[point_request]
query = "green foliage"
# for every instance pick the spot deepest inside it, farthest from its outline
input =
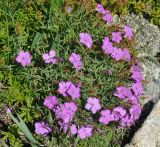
(12, 135)
(39, 26)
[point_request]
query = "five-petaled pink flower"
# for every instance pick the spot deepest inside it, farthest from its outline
(84, 132)
(107, 17)
(107, 46)
(93, 104)
(50, 102)
(128, 32)
(23, 58)
(118, 113)
(73, 129)
(86, 39)
(117, 54)
(75, 59)
(106, 117)
(41, 128)
(63, 87)
(126, 55)
(100, 8)
(116, 36)
(50, 57)
(122, 92)
(69, 89)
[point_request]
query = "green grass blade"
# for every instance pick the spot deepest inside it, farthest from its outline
(22, 126)
(36, 39)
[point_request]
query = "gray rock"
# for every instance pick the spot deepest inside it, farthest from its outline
(147, 35)
(149, 134)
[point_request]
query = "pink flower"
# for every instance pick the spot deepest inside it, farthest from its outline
(23, 58)
(137, 88)
(136, 73)
(69, 89)
(128, 32)
(107, 46)
(50, 57)
(42, 128)
(65, 112)
(9, 110)
(135, 111)
(69, 9)
(122, 92)
(116, 36)
(84, 132)
(118, 113)
(133, 100)
(63, 87)
(93, 104)
(63, 126)
(75, 59)
(106, 117)
(100, 8)
(86, 39)
(117, 54)
(107, 17)
(74, 91)
(50, 102)
(73, 130)
(126, 121)
(126, 55)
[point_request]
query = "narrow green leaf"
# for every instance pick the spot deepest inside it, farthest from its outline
(22, 126)
(36, 39)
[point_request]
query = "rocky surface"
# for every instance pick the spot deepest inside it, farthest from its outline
(149, 134)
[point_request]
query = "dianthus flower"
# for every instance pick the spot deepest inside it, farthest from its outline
(86, 39)
(42, 128)
(126, 55)
(65, 112)
(50, 102)
(133, 100)
(84, 132)
(23, 58)
(128, 32)
(137, 88)
(75, 59)
(69, 9)
(106, 117)
(135, 111)
(74, 91)
(100, 8)
(107, 46)
(118, 113)
(93, 104)
(116, 36)
(73, 130)
(107, 17)
(63, 87)
(63, 126)
(117, 54)
(50, 57)
(122, 92)
(69, 89)
(136, 73)
(126, 121)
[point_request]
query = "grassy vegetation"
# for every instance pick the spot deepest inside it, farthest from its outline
(42, 25)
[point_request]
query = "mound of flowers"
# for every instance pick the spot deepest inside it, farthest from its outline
(65, 112)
